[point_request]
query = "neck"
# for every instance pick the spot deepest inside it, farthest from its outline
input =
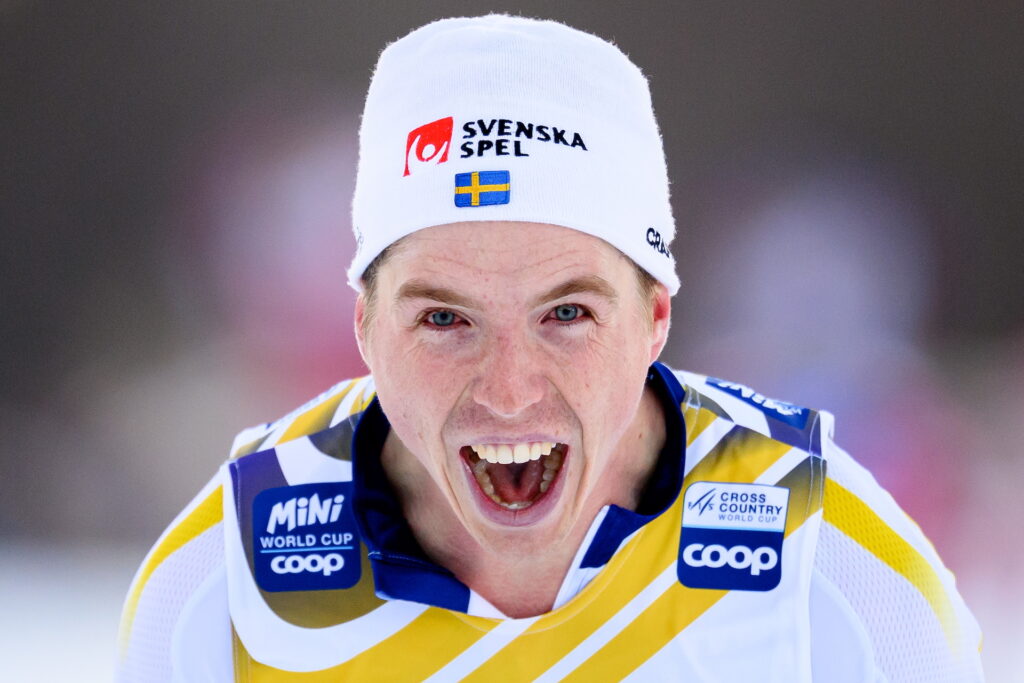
(517, 577)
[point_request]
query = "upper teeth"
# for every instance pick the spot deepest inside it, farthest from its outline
(506, 454)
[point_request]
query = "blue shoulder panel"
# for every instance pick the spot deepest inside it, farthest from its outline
(788, 423)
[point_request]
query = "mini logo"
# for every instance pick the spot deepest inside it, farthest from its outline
(482, 188)
(303, 511)
(780, 410)
(428, 144)
(732, 536)
(657, 243)
(305, 538)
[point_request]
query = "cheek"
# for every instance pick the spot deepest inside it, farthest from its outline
(431, 376)
(602, 353)
(417, 387)
(605, 378)
(402, 358)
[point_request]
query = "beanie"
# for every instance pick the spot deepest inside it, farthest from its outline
(501, 118)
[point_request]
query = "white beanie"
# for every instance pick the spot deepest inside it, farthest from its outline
(502, 118)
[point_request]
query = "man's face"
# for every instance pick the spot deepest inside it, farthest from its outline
(510, 360)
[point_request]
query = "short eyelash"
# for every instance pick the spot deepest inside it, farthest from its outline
(425, 320)
(585, 314)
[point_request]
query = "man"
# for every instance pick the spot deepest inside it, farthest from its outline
(520, 491)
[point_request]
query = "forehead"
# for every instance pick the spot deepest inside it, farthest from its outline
(502, 252)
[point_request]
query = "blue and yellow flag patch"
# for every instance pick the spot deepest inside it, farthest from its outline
(482, 188)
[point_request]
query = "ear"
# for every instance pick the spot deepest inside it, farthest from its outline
(661, 319)
(360, 325)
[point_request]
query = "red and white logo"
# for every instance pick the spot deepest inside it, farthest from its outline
(428, 144)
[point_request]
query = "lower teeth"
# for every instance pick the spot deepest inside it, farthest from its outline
(552, 463)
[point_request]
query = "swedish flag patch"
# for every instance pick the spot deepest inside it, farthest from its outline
(482, 188)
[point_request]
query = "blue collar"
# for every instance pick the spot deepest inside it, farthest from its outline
(402, 570)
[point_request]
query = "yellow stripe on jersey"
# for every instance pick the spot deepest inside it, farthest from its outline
(537, 649)
(311, 421)
(679, 606)
(554, 635)
(251, 447)
(203, 516)
(741, 456)
(362, 402)
(696, 420)
(316, 418)
(852, 516)
(412, 654)
(806, 482)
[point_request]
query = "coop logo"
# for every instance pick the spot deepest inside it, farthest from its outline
(305, 538)
(318, 564)
(428, 144)
(737, 557)
(732, 535)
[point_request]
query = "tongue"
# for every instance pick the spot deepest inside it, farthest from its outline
(516, 483)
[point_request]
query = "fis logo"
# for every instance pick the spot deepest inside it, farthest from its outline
(305, 538)
(702, 504)
(732, 536)
(428, 144)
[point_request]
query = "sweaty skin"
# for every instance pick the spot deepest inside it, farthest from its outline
(502, 334)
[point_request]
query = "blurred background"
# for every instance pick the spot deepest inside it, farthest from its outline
(176, 179)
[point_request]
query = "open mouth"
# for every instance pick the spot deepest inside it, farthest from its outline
(515, 476)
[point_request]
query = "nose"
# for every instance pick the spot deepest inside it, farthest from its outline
(510, 379)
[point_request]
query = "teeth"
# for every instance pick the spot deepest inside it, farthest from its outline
(506, 454)
(553, 461)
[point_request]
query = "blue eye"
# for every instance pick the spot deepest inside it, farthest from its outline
(441, 318)
(566, 313)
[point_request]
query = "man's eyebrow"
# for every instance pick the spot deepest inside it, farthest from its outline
(588, 284)
(418, 289)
